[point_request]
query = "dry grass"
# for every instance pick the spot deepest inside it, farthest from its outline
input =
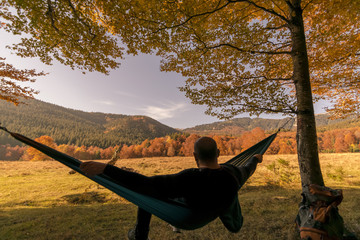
(40, 200)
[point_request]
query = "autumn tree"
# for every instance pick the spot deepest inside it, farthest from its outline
(286, 146)
(327, 141)
(10, 77)
(107, 153)
(127, 151)
(271, 56)
(220, 144)
(157, 147)
(11, 153)
(252, 137)
(187, 148)
(349, 138)
(62, 30)
(252, 56)
(3, 152)
(67, 149)
(357, 134)
(340, 144)
(234, 146)
(12, 81)
(172, 147)
(31, 154)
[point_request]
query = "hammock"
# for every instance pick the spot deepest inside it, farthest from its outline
(171, 211)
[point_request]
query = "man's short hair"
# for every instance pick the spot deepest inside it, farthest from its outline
(206, 149)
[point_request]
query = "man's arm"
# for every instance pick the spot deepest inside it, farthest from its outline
(157, 186)
(244, 172)
(249, 168)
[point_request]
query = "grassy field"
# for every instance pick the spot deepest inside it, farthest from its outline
(40, 200)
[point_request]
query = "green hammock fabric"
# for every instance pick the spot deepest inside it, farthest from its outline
(171, 211)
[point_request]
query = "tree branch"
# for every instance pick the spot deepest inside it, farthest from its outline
(50, 13)
(282, 44)
(248, 51)
(277, 28)
(80, 19)
(193, 16)
(288, 111)
(278, 7)
(271, 11)
(289, 4)
(307, 4)
(266, 78)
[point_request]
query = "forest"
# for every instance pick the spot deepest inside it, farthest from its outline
(330, 141)
(74, 127)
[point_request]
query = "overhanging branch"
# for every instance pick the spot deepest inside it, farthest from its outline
(81, 20)
(194, 16)
(271, 11)
(266, 78)
(307, 4)
(247, 105)
(50, 13)
(248, 51)
(278, 27)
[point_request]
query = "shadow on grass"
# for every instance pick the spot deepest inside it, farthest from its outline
(269, 213)
(95, 221)
(85, 198)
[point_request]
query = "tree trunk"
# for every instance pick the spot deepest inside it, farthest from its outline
(306, 137)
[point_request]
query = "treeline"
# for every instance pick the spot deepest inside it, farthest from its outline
(237, 126)
(334, 141)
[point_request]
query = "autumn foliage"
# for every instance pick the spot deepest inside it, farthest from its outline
(332, 141)
(32, 154)
(12, 88)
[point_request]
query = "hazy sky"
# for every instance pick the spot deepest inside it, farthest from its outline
(136, 88)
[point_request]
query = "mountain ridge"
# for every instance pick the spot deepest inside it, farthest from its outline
(69, 126)
(238, 126)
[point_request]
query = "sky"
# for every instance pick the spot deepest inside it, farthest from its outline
(138, 87)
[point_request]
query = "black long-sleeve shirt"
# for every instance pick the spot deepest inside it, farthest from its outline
(199, 188)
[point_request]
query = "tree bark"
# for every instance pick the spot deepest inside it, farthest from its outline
(306, 137)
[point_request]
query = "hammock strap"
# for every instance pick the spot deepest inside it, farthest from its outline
(259, 148)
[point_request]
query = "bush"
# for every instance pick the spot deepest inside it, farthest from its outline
(283, 173)
(336, 174)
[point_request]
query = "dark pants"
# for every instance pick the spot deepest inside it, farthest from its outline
(231, 218)
(142, 224)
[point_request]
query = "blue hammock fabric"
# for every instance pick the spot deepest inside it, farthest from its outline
(171, 211)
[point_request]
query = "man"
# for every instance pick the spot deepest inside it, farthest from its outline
(210, 187)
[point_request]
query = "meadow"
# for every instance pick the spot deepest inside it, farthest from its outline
(41, 200)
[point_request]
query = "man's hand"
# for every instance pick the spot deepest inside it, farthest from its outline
(259, 157)
(92, 168)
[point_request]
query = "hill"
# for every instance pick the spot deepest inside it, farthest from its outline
(68, 126)
(324, 123)
(238, 126)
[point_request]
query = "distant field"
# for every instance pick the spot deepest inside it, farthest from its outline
(40, 200)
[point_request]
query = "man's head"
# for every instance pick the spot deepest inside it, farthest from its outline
(206, 151)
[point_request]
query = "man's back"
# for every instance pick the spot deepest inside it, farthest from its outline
(199, 188)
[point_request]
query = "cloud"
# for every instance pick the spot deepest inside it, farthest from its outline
(125, 94)
(168, 111)
(105, 102)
